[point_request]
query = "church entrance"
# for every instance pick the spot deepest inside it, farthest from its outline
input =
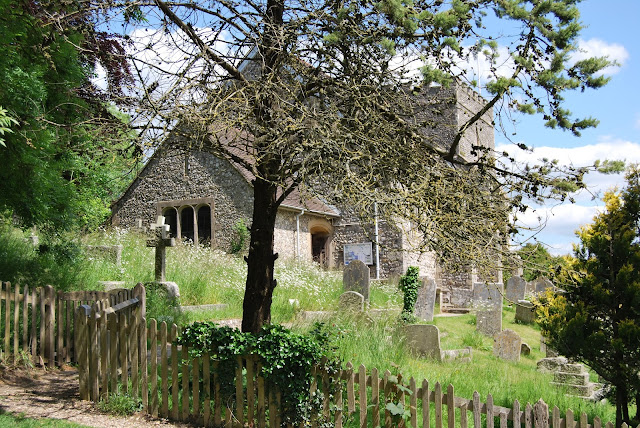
(321, 232)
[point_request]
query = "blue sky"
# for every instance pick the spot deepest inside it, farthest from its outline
(612, 30)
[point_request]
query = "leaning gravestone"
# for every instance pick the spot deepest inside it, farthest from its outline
(525, 312)
(507, 345)
(424, 340)
(515, 289)
(489, 321)
(351, 301)
(542, 284)
(426, 300)
(355, 277)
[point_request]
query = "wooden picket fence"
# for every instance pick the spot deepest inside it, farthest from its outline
(121, 353)
(38, 324)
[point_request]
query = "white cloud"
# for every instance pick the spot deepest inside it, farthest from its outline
(555, 225)
(598, 48)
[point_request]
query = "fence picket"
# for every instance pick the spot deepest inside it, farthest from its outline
(597, 422)
(94, 356)
(451, 408)
(351, 400)
(123, 342)
(81, 346)
(337, 379)
(164, 370)
(206, 386)
(375, 396)
(34, 338)
(477, 410)
(217, 411)
(386, 387)
(185, 383)
(541, 414)
(144, 379)
(362, 396)
(426, 404)
(438, 404)
(50, 316)
(413, 403)
(16, 321)
(261, 403)
(25, 320)
(569, 421)
(153, 366)
(196, 389)
(60, 334)
(175, 386)
(463, 415)
(503, 420)
(490, 414)
(239, 392)
(251, 398)
(528, 416)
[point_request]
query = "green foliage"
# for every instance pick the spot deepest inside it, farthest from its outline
(597, 321)
(241, 237)
(286, 357)
(12, 420)
(538, 262)
(409, 285)
(66, 153)
(120, 404)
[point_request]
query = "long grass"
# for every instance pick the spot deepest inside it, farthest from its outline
(206, 277)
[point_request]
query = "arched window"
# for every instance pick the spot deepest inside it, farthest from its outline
(186, 224)
(171, 218)
(204, 225)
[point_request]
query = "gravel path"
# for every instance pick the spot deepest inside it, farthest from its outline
(54, 394)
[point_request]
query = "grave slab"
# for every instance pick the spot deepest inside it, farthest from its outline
(355, 277)
(507, 345)
(426, 300)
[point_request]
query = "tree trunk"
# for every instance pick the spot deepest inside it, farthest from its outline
(622, 405)
(261, 258)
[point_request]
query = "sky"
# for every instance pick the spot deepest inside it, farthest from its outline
(611, 30)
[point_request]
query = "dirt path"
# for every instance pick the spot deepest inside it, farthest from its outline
(54, 394)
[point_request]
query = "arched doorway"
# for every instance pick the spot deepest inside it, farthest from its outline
(321, 232)
(171, 218)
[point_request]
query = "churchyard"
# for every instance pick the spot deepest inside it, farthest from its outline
(372, 337)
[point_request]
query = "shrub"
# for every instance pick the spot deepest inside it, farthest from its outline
(409, 284)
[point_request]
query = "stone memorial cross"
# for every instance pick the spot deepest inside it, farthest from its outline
(161, 242)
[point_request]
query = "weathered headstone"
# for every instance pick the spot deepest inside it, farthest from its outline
(424, 340)
(525, 349)
(161, 242)
(525, 312)
(351, 301)
(507, 345)
(489, 322)
(112, 253)
(111, 285)
(487, 295)
(542, 284)
(355, 277)
(426, 300)
(515, 289)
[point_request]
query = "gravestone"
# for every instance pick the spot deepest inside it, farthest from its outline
(424, 340)
(525, 312)
(355, 277)
(542, 284)
(487, 295)
(111, 285)
(507, 345)
(351, 301)
(525, 349)
(161, 242)
(426, 300)
(515, 289)
(489, 321)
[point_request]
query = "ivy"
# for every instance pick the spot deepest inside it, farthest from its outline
(287, 359)
(409, 284)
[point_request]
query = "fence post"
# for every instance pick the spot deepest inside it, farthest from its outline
(541, 414)
(49, 294)
(81, 345)
(140, 292)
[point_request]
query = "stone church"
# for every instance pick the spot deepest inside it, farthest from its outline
(204, 197)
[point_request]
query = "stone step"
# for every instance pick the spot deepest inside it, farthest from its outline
(572, 368)
(578, 390)
(571, 378)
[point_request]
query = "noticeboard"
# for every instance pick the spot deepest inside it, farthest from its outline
(362, 251)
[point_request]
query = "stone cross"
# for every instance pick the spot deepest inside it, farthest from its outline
(161, 242)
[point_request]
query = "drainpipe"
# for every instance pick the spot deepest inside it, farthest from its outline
(298, 234)
(375, 222)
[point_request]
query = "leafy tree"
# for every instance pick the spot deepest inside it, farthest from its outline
(327, 97)
(538, 262)
(597, 321)
(64, 150)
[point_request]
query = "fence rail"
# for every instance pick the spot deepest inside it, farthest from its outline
(127, 355)
(39, 323)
